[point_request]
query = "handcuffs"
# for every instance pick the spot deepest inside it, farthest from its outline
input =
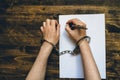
(76, 50)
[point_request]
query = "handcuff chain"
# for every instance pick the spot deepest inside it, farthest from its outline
(67, 51)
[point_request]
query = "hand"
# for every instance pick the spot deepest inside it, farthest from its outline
(76, 34)
(51, 31)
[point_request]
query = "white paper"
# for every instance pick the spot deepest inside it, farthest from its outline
(71, 66)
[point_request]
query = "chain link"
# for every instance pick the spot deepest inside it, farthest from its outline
(67, 51)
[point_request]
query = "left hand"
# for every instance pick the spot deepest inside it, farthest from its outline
(51, 30)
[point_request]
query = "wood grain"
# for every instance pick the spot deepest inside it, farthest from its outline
(20, 38)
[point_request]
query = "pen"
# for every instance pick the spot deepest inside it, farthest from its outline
(79, 27)
(73, 26)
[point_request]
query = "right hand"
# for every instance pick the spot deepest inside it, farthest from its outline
(76, 34)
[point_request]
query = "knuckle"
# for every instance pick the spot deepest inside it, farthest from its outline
(76, 19)
(53, 20)
(47, 19)
(84, 25)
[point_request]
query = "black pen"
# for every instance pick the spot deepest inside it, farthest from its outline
(73, 26)
(79, 27)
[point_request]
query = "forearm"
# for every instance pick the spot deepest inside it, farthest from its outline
(38, 69)
(90, 69)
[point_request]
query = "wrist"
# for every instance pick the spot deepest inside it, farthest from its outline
(46, 44)
(84, 38)
(51, 44)
(83, 43)
(45, 50)
(51, 41)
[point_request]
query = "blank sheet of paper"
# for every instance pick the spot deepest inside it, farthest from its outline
(71, 66)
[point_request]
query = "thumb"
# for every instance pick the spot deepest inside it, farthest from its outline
(41, 28)
(68, 29)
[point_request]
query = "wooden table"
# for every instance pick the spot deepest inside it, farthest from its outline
(20, 37)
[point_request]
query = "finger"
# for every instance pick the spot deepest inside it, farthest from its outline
(44, 24)
(74, 21)
(71, 20)
(41, 28)
(53, 23)
(47, 22)
(58, 29)
(68, 29)
(56, 22)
